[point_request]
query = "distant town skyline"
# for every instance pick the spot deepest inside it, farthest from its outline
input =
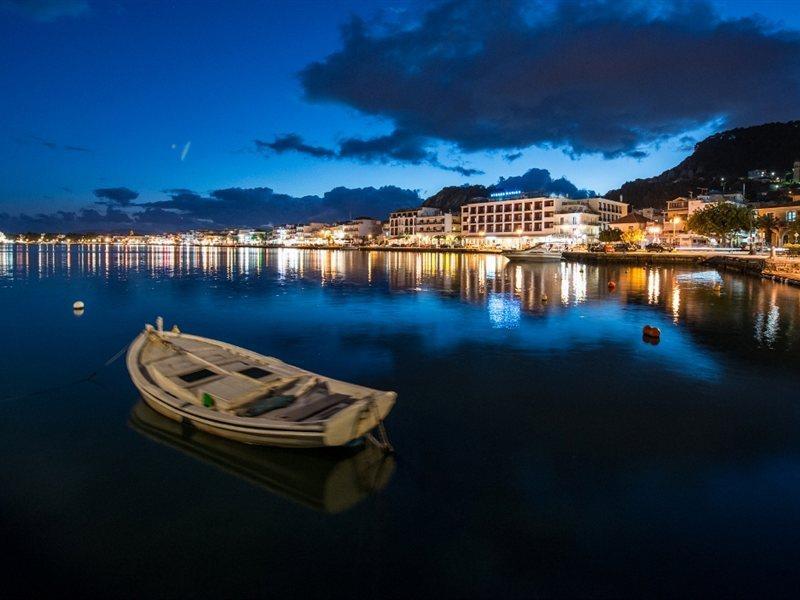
(190, 110)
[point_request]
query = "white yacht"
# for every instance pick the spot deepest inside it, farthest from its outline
(538, 253)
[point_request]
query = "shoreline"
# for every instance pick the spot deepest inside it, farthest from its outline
(774, 269)
(780, 270)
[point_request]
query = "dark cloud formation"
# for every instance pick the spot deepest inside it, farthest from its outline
(512, 156)
(597, 76)
(88, 219)
(119, 196)
(50, 144)
(394, 148)
(293, 142)
(539, 180)
(184, 209)
(258, 207)
(46, 10)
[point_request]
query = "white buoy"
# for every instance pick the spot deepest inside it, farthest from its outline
(544, 297)
(78, 305)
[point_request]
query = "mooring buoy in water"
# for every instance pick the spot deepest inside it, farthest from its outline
(612, 286)
(651, 332)
(544, 297)
(78, 305)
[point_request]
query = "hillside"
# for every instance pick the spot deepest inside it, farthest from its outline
(451, 198)
(729, 154)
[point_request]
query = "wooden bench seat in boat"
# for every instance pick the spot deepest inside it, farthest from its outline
(301, 412)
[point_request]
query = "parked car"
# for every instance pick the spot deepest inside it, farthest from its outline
(623, 247)
(658, 247)
(597, 247)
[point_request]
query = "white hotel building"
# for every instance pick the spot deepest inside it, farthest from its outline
(423, 225)
(520, 221)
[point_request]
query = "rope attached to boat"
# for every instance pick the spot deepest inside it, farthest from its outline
(68, 384)
(382, 441)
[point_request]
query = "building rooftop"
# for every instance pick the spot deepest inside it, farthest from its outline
(633, 218)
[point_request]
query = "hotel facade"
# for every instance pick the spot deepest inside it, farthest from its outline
(423, 225)
(522, 221)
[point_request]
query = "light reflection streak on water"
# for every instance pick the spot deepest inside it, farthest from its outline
(653, 286)
(676, 303)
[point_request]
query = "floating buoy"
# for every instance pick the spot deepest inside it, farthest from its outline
(544, 297)
(612, 285)
(175, 329)
(78, 305)
(651, 332)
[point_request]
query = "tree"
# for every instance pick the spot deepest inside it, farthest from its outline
(721, 220)
(610, 235)
(633, 236)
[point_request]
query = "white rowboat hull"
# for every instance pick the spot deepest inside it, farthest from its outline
(350, 423)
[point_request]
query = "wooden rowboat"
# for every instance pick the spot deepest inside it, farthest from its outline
(241, 395)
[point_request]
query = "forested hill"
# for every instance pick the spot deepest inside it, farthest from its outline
(729, 154)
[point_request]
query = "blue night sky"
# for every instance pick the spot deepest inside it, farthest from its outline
(171, 106)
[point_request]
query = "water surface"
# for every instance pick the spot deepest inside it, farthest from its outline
(543, 448)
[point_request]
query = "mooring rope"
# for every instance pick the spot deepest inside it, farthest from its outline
(68, 384)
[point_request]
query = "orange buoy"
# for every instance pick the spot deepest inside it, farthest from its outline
(651, 332)
(612, 285)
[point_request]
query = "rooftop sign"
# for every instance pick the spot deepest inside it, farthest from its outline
(505, 194)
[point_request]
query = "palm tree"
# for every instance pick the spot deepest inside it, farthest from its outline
(773, 228)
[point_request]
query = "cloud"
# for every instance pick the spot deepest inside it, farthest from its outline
(686, 143)
(119, 196)
(87, 219)
(50, 144)
(183, 209)
(261, 206)
(293, 142)
(397, 147)
(47, 10)
(597, 76)
(539, 180)
(512, 156)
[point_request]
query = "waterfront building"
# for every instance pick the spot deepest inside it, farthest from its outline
(608, 210)
(3, 239)
(681, 208)
(577, 222)
(423, 226)
(245, 236)
(637, 222)
(521, 221)
(360, 229)
(796, 172)
(402, 222)
(309, 233)
(786, 214)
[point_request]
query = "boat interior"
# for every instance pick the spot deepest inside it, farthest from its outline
(228, 382)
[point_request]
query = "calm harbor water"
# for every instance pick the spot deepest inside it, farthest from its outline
(543, 448)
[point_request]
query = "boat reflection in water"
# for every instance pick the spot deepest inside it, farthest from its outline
(331, 481)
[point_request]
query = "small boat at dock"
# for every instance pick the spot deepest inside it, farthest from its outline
(538, 253)
(238, 394)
